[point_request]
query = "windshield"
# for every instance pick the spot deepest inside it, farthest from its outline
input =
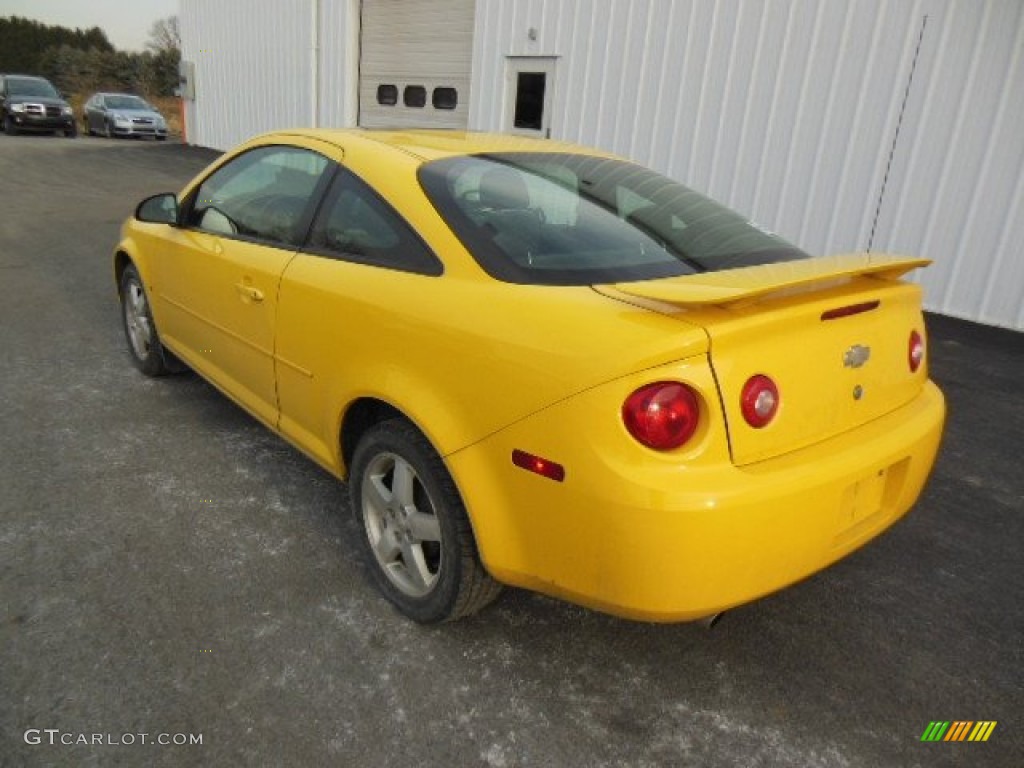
(564, 219)
(125, 102)
(27, 87)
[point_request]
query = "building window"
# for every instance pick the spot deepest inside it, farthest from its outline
(414, 96)
(387, 95)
(445, 98)
(530, 100)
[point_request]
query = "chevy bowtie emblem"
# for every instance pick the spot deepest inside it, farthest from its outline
(856, 356)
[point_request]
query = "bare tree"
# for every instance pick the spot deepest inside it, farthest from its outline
(164, 35)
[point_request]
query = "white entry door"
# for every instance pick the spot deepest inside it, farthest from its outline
(529, 94)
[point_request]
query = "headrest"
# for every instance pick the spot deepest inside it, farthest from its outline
(503, 189)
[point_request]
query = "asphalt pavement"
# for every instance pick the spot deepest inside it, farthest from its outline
(168, 567)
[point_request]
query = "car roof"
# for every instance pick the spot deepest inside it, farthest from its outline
(435, 144)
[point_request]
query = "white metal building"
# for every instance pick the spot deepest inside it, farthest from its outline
(889, 125)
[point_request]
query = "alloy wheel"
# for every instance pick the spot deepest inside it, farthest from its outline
(136, 319)
(401, 524)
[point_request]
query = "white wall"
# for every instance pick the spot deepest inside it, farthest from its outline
(787, 110)
(956, 191)
(339, 62)
(254, 63)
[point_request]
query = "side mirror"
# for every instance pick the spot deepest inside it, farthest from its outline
(158, 209)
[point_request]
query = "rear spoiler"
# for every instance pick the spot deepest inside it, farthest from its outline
(735, 285)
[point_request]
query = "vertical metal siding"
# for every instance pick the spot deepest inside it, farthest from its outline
(956, 188)
(787, 110)
(339, 62)
(254, 68)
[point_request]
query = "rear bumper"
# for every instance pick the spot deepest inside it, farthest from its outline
(669, 541)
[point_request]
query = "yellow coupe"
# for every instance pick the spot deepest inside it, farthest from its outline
(541, 365)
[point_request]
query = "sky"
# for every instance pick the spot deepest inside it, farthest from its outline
(126, 22)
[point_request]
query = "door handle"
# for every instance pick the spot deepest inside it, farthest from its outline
(248, 293)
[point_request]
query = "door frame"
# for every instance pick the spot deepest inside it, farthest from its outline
(514, 65)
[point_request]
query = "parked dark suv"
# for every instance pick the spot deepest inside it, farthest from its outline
(32, 104)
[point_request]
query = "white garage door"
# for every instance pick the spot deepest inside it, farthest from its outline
(414, 66)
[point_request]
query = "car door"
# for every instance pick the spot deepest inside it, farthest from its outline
(339, 309)
(217, 283)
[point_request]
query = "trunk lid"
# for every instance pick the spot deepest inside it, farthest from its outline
(834, 371)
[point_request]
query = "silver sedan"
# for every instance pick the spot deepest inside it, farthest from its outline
(122, 114)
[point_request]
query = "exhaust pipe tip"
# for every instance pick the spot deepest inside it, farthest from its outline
(709, 621)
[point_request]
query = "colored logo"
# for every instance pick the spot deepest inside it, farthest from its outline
(958, 730)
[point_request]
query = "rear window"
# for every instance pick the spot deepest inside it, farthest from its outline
(563, 219)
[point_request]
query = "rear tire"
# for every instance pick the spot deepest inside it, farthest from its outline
(417, 540)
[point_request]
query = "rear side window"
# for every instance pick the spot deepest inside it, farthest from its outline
(355, 224)
(566, 219)
(262, 194)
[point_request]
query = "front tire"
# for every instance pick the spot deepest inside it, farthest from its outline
(139, 329)
(417, 540)
(9, 127)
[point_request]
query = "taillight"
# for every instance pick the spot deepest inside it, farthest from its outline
(915, 352)
(759, 400)
(663, 415)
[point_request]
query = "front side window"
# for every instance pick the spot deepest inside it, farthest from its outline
(262, 194)
(564, 219)
(355, 224)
